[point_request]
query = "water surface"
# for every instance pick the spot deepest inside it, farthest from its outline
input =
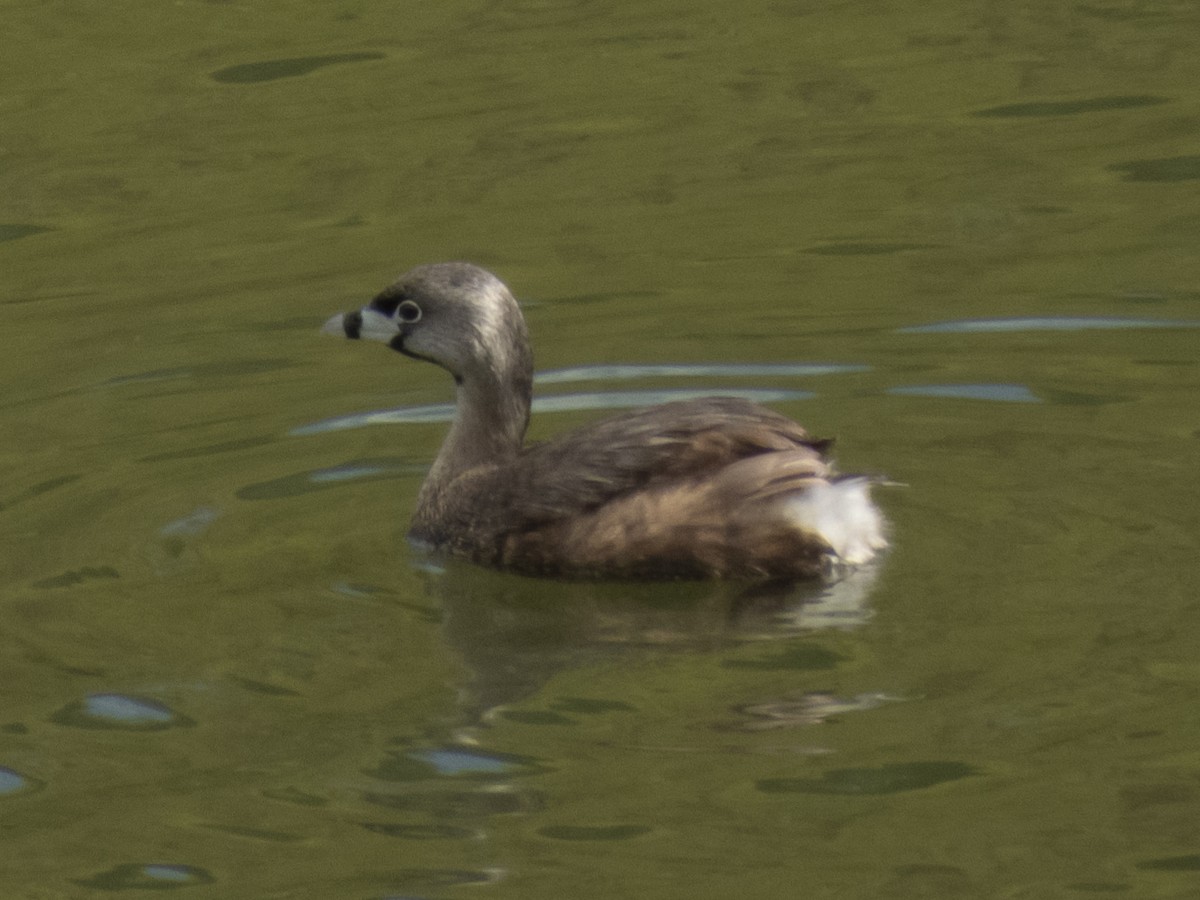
(962, 240)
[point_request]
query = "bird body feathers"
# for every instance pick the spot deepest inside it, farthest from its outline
(711, 488)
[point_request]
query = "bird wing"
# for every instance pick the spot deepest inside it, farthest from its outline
(677, 442)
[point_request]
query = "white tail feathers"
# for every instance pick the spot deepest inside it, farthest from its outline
(842, 513)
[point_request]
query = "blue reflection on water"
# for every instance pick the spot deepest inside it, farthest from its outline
(633, 399)
(439, 412)
(193, 523)
(346, 473)
(126, 709)
(10, 781)
(148, 876)
(1005, 393)
(444, 412)
(1045, 323)
(161, 872)
(701, 370)
(461, 762)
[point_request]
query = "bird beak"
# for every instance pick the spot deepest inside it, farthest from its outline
(362, 323)
(337, 325)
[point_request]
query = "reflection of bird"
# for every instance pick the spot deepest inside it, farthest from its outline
(717, 487)
(811, 708)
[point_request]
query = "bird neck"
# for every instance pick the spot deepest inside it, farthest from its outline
(491, 415)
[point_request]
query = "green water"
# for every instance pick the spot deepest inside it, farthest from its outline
(223, 673)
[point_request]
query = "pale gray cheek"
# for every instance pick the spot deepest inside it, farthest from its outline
(447, 354)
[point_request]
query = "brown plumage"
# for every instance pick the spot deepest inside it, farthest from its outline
(718, 487)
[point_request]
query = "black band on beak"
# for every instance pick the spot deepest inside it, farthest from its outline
(352, 324)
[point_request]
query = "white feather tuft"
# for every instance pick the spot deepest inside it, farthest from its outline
(842, 513)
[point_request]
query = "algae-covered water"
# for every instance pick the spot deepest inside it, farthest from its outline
(960, 237)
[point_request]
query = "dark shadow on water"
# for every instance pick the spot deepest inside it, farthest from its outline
(13, 231)
(1071, 107)
(1169, 169)
(147, 877)
(274, 69)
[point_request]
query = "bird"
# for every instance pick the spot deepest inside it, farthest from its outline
(710, 488)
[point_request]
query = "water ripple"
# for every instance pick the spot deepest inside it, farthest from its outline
(194, 523)
(273, 69)
(147, 876)
(119, 711)
(12, 781)
(889, 778)
(444, 412)
(13, 231)
(1045, 323)
(457, 761)
(1005, 393)
(1071, 107)
(633, 399)
(701, 370)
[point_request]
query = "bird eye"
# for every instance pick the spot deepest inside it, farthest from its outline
(408, 312)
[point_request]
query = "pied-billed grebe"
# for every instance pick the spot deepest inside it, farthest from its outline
(712, 488)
